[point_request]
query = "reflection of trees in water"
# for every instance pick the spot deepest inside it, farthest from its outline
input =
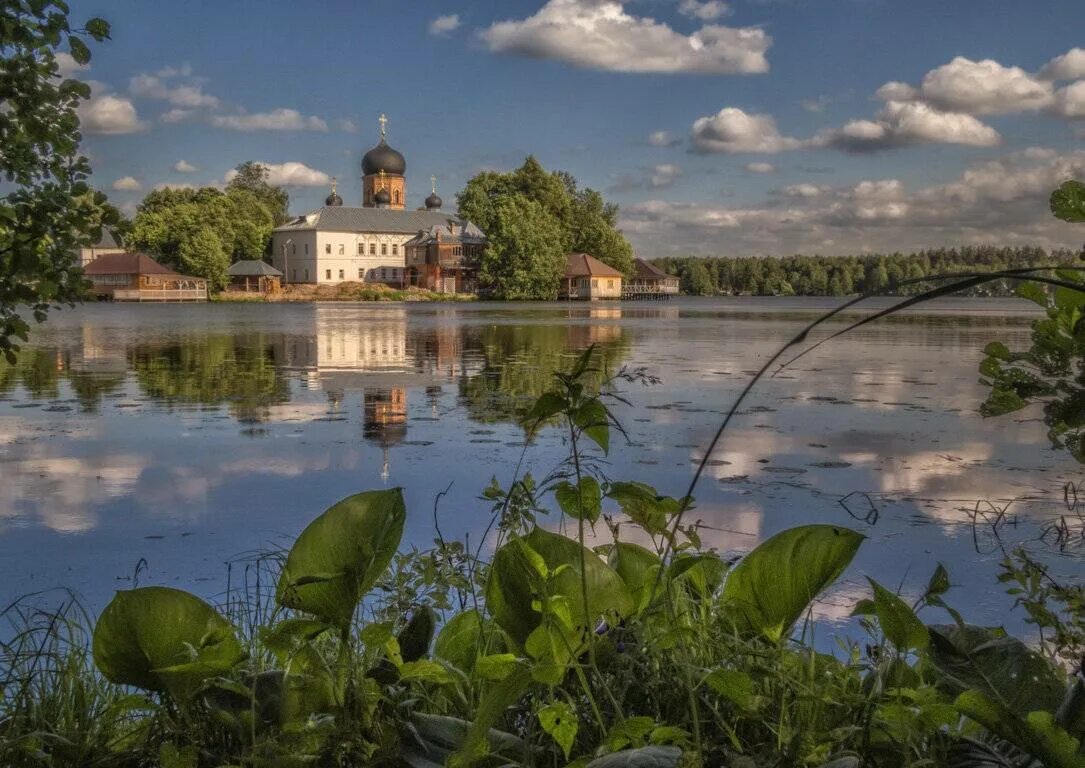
(213, 370)
(520, 361)
(40, 372)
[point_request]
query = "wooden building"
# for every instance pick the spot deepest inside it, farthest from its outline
(109, 242)
(254, 276)
(440, 258)
(648, 279)
(588, 278)
(131, 276)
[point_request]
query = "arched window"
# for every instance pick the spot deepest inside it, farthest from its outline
(395, 197)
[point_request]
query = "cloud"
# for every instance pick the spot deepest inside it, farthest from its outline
(663, 139)
(1068, 66)
(346, 125)
(983, 88)
(1070, 101)
(805, 190)
(171, 185)
(127, 184)
(816, 106)
(67, 65)
(187, 96)
(444, 25)
(277, 120)
(732, 130)
(665, 175)
(760, 168)
(705, 10)
(1002, 200)
(901, 124)
(599, 34)
(107, 113)
(183, 166)
(176, 115)
(291, 174)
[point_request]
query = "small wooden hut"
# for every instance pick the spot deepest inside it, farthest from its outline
(253, 275)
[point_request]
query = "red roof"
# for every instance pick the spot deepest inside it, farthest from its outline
(583, 265)
(126, 264)
(646, 270)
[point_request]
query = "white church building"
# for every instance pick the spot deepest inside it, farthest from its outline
(338, 243)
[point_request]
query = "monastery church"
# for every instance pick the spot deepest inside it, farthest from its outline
(379, 241)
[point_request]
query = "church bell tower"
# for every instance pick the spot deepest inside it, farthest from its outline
(383, 169)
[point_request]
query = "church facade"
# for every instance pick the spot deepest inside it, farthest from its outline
(365, 243)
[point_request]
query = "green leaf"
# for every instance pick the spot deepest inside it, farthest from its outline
(643, 505)
(549, 404)
(593, 419)
(939, 582)
(1002, 400)
(416, 637)
(496, 666)
(644, 757)
(773, 585)
(340, 555)
(735, 686)
(172, 756)
(1068, 202)
(1034, 292)
(582, 500)
(163, 639)
(457, 642)
(79, 50)
(898, 621)
(424, 670)
(283, 637)
(1001, 667)
(514, 592)
(98, 29)
(1037, 734)
(638, 568)
(560, 722)
(497, 699)
(998, 350)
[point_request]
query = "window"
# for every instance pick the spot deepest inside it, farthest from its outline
(395, 249)
(384, 249)
(372, 249)
(361, 249)
(384, 273)
(341, 249)
(395, 197)
(327, 273)
(361, 273)
(594, 283)
(306, 274)
(327, 247)
(293, 248)
(610, 283)
(306, 249)
(340, 274)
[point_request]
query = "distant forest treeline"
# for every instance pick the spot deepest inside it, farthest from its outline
(801, 275)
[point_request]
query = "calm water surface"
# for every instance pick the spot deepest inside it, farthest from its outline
(186, 436)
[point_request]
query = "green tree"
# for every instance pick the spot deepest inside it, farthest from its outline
(584, 221)
(51, 212)
(523, 258)
(199, 232)
(253, 177)
(696, 280)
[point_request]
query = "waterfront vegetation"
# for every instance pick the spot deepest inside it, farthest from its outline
(603, 636)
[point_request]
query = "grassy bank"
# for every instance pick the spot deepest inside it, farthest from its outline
(348, 291)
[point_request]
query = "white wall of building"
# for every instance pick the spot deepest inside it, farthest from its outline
(335, 257)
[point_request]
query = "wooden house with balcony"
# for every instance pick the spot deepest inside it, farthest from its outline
(649, 281)
(588, 278)
(442, 257)
(129, 276)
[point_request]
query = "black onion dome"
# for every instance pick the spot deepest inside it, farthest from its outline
(382, 197)
(433, 202)
(383, 158)
(333, 199)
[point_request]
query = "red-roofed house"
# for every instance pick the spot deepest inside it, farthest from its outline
(137, 277)
(588, 278)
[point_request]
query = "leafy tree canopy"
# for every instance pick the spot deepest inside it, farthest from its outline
(52, 211)
(202, 231)
(524, 258)
(582, 220)
(253, 177)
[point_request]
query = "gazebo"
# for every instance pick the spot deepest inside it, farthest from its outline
(254, 275)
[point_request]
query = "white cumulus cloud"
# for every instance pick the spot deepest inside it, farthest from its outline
(732, 130)
(665, 175)
(901, 124)
(705, 10)
(67, 65)
(291, 174)
(186, 96)
(600, 34)
(1070, 101)
(127, 184)
(107, 113)
(663, 139)
(760, 168)
(1068, 66)
(444, 25)
(183, 166)
(984, 88)
(281, 119)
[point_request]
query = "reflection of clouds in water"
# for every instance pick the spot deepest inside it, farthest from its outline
(62, 492)
(836, 604)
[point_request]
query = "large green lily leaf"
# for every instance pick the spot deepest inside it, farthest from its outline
(638, 568)
(339, 557)
(1036, 733)
(771, 587)
(513, 593)
(457, 642)
(163, 639)
(999, 666)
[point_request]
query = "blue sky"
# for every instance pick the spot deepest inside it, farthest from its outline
(751, 126)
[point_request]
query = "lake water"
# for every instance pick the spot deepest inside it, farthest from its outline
(184, 436)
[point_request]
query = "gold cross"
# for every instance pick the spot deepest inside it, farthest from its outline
(384, 125)
(433, 180)
(333, 185)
